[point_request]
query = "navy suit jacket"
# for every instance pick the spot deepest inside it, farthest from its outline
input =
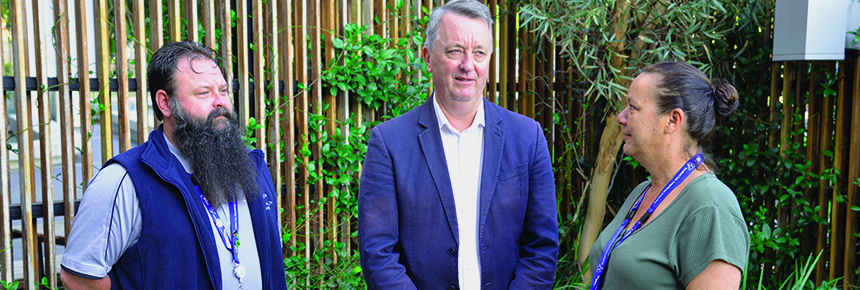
(407, 224)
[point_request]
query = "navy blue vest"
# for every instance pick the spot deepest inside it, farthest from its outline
(176, 248)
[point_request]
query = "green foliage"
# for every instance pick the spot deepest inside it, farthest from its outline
(383, 74)
(583, 32)
(797, 280)
(373, 69)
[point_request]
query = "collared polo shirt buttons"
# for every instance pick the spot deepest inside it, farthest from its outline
(452, 252)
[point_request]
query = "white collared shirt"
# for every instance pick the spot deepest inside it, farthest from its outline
(464, 156)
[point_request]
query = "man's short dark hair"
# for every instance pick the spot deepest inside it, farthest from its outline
(164, 63)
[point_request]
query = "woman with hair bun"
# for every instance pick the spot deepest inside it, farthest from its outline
(683, 228)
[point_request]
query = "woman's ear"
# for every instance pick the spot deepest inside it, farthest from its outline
(162, 100)
(675, 120)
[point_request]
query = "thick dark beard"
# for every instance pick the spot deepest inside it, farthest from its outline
(219, 157)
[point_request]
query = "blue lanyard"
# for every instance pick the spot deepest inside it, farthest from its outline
(689, 167)
(230, 239)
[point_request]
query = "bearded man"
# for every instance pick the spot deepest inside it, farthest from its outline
(192, 208)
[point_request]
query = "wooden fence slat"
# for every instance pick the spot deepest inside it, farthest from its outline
(523, 66)
(242, 104)
(825, 141)
(192, 19)
(46, 162)
(84, 94)
(836, 220)
(502, 55)
(225, 50)
(288, 197)
(849, 275)
(492, 80)
(5, 185)
(327, 22)
(382, 16)
(343, 110)
(67, 144)
(315, 104)
(140, 61)
(209, 24)
(259, 74)
(156, 28)
(174, 23)
(122, 70)
(25, 168)
(367, 16)
(302, 117)
(103, 72)
(274, 121)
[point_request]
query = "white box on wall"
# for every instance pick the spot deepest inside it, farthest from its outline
(810, 29)
(853, 24)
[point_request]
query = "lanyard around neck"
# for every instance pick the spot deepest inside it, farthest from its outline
(682, 174)
(229, 239)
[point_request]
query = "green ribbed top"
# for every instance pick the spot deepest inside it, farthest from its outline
(704, 223)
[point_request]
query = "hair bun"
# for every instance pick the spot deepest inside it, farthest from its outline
(725, 98)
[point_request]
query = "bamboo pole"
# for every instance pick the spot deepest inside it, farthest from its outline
(492, 80)
(242, 103)
(813, 151)
(192, 19)
(853, 180)
(174, 22)
(316, 105)
(259, 74)
(156, 39)
(25, 168)
(288, 198)
(122, 76)
(225, 50)
(274, 96)
(209, 25)
(103, 71)
(5, 186)
(825, 137)
(301, 22)
(328, 11)
(837, 218)
(140, 61)
(83, 96)
(156, 30)
(46, 157)
(502, 54)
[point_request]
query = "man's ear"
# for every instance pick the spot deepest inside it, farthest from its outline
(162, 100)
(675, 120)
(426, 53)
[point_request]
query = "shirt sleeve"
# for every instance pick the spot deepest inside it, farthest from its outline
(106, 225)
(711, 233)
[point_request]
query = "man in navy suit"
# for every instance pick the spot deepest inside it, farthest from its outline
(458, 193)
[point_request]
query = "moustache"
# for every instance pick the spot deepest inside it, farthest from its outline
(220, 112)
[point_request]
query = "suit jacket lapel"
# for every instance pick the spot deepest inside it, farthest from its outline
(494, 144)
(431, 145)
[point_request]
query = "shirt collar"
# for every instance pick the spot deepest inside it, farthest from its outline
(179, 155)
(443, 120)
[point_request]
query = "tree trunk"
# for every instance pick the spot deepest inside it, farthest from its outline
(610, 142)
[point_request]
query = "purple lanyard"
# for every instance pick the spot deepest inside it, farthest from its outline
(596, 280)
(231, 239)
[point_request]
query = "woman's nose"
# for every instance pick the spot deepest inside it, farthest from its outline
(622, 117)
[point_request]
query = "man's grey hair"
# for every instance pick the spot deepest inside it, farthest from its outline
(466, 8)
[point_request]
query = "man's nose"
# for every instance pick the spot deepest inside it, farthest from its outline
(221, 99)
(467, 63)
